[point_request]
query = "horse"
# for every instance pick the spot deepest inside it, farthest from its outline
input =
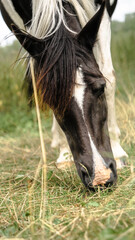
(62, 41)
(102, 54)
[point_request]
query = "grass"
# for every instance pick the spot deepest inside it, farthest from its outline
(72, 211)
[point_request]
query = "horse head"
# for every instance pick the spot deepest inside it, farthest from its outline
(70, 82)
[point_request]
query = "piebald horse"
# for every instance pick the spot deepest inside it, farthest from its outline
(102, 54)
(73, 71)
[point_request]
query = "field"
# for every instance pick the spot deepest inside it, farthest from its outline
(72, 212)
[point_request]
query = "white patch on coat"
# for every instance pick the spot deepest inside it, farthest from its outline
(8, 5)
(97, 158)
(65, 156)
(118, 151)
(102, 51)
(79, 89)
(79, 93)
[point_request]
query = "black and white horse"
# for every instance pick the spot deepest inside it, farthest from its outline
(72, 61)
(102, 54)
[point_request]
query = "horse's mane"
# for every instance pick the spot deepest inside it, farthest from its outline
(56, 73)
(45, 13)
(56, 70)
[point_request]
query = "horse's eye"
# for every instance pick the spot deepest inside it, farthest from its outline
(98, 88)
(100, 91)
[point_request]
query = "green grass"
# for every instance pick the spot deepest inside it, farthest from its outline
(124, 59)
(72, 212)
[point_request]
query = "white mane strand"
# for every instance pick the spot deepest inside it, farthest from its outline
(45, 14)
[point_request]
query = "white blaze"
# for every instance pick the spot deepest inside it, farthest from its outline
(98, 160)
(79, 89)
(79, 93)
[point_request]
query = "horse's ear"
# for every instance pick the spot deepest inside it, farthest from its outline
(111, 8)
(88, 35)
(32, 45)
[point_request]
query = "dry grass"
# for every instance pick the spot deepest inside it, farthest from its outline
(72, 212)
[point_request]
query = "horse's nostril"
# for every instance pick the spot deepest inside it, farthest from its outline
(111, 181)
(112, 166)
(113, 175)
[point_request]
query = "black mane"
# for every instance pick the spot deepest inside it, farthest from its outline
(56, 66)
(56, 69)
